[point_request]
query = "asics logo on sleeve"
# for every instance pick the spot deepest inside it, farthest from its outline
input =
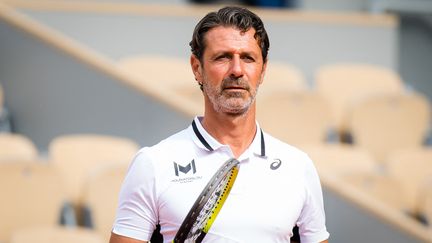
(275, 164)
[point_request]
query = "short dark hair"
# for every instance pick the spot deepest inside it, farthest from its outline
(237, 17)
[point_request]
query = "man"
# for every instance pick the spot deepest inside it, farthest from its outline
(277, 186)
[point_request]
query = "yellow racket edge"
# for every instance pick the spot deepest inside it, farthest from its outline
(221, 200)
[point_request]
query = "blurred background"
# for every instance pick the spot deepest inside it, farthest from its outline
(84, 84)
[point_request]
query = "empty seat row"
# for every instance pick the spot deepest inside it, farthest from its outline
(380, 124)
(345, 83)
(413, 168)
(391, 191)
(405, 183)
(17, 147)
(76, 184)
(55, 234)
(35, 196)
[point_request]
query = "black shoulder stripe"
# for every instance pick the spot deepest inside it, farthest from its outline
(262, 144)
(200, 137)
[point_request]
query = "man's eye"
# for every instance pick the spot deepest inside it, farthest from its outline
(222, 57)
(248, 59)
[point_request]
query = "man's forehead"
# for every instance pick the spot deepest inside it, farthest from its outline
(230, 36)
(223, 30)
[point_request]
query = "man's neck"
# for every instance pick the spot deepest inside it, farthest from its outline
(236, 131)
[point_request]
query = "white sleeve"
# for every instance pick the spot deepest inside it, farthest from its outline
(137, 211)
(311, 223)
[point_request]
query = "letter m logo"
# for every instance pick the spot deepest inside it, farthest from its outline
(184, 169)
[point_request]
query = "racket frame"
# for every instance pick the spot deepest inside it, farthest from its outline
(229, 169)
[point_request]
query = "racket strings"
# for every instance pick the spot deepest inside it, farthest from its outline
(228, 183)
(208, 209)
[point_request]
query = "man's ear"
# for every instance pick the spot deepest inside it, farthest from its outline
(196, 68)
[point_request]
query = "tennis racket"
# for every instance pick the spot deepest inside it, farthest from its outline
(207, 206)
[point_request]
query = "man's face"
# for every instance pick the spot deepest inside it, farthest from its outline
(231, 70)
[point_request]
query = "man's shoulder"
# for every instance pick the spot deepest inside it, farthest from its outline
(276, 143)
(281, 148)
(175, 141)
(176, 146)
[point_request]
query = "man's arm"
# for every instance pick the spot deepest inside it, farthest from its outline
(326, 241)
(122, 239)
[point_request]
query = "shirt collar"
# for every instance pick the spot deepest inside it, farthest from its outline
(205, 141)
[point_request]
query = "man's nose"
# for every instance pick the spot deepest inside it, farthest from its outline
(236, 67)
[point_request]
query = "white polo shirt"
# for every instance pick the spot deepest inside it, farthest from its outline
(277, 188)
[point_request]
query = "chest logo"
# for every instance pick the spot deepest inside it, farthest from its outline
(184, 169)
(275, 164)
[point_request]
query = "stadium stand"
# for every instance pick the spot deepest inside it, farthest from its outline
(282, 77)
(301, 117)
(76, 156)
(55, 234)
(171, 72)
(344, 83)
(15, 146)
(425, 203)
(385, 123)
(100, 197)
(413, 168)
(340, 159)
(381, 187)
(32, 195)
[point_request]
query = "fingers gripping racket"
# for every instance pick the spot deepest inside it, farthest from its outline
(207, 206)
